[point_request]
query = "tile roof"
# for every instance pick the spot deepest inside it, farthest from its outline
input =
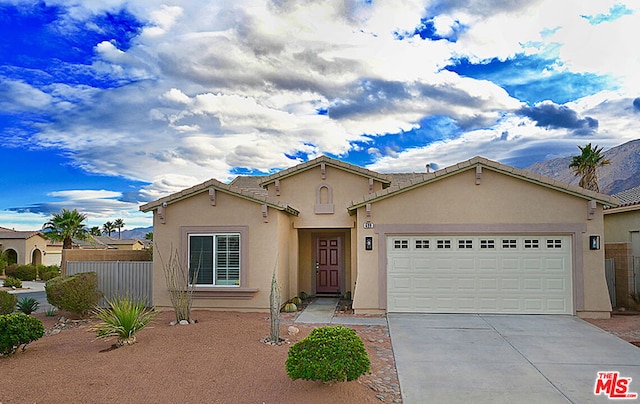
(412, 181)
(252, 187)
(328, 161)
(13, 234)
(115, 241)
(629, 197)
(251, 183)
(244, 193)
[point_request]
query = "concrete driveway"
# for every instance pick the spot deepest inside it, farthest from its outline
(444, 358)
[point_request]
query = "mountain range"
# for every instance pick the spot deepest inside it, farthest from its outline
(137, 233)
(622, 172)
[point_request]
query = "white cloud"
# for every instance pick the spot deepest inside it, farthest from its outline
(77, 194)
(227, 84)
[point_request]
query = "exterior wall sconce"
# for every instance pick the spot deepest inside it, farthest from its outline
(594, 242)
(368, 243)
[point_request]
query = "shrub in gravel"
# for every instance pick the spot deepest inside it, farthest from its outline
(7, 302)
(25, 272)
(76, 293)
(328, 354)
(123, 319)
(28, 305)
(11, 282)
(17, 330)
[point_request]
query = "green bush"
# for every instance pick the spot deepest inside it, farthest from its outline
(7, 302)
(77, 293)
(328, 354)
(28, 305)
(11, 282)
(48, 272)
(18, 329)
(10, 270)
(25, 272)
(122, 319)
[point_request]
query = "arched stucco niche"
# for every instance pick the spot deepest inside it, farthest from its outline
(324, 200)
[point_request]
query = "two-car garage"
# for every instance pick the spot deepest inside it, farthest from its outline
(501, 273)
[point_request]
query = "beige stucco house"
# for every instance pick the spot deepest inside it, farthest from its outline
(476, 237)
(29, 247)
(622, 237)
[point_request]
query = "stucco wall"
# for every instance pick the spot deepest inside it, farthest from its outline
(299, 192)
(500, 203)
(229, 210)
(25, 248)
(617, 226)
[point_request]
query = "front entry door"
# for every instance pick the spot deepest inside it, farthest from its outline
(328, 265)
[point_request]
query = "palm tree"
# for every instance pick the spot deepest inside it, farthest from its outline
(149, 236)
(118, 224)
(586, 165)
(108, 228)
(95, 231)
(66, 225)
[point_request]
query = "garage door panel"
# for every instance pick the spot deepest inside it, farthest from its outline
(480, 274)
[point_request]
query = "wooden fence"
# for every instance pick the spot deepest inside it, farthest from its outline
(119, 278)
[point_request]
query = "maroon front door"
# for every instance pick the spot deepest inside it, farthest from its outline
(328, 265)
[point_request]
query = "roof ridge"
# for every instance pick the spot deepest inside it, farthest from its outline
(508, 170)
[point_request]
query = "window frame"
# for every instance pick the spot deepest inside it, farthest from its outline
(241, 291)
(215, 267)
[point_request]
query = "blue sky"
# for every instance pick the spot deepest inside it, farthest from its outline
(107, 105)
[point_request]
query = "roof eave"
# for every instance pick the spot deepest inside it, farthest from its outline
(603, 199)
(171, 199)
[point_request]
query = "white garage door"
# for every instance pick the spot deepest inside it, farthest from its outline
(479, 274)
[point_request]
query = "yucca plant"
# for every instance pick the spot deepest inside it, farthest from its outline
(123, 319)
(28, 305)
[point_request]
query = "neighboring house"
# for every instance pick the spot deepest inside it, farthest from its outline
(28, 247)
(105, 243)
(476, 237)
(120, 244)
(622, 243)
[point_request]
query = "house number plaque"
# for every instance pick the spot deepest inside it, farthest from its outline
(368, 225)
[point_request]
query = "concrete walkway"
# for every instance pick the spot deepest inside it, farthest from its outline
(322, 310)
(36, 291)
(29, 287)
(444, 358)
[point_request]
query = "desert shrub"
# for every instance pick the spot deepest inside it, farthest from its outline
(17, 330)
(28, 305)
(11, 282)
(77, 293)
(122, 320)
(25, 272)
(7, 302)
(10, 270)
(328, 354)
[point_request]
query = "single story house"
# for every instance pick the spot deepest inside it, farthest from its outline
(622, 243)
(476, 237)
(28, 247)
